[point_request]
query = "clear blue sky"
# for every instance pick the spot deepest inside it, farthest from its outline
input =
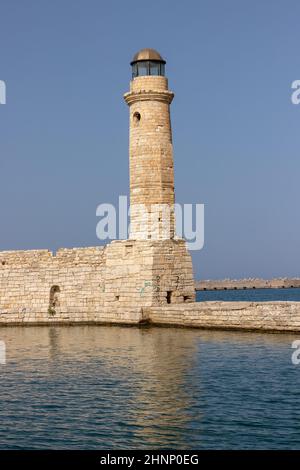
(64, 129)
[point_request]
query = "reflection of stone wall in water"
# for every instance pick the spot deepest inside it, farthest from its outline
(156, 362)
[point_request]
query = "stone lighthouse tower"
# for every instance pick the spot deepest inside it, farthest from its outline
(150, 149)
(153, 267)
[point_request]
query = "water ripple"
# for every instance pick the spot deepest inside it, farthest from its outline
(95, 387)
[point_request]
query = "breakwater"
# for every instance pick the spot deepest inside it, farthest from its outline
(256, 283)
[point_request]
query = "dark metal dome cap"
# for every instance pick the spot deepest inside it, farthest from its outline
(147, 54)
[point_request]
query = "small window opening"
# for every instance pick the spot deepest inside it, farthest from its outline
(128, 249)
(169, 294)
(117, 297)
(136, 117)
(54, 300)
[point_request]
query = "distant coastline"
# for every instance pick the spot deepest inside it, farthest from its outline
(255, 283)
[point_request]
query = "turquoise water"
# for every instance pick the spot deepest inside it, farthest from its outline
(93, 387)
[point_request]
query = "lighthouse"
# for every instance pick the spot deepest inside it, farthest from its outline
(150, 149)
(153, 267)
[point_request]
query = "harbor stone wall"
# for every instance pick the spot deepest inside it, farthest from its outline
(100, 284)
(36, 284)
(127, 282)
(257, 316)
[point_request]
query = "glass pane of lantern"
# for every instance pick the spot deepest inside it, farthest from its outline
(162, 69)
(154, 68)
(134, 70)
(142, 68)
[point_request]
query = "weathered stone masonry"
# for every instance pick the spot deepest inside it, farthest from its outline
(27, 277)
(125, 282)
(257, 316)
(150, 156)
(105, 284)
